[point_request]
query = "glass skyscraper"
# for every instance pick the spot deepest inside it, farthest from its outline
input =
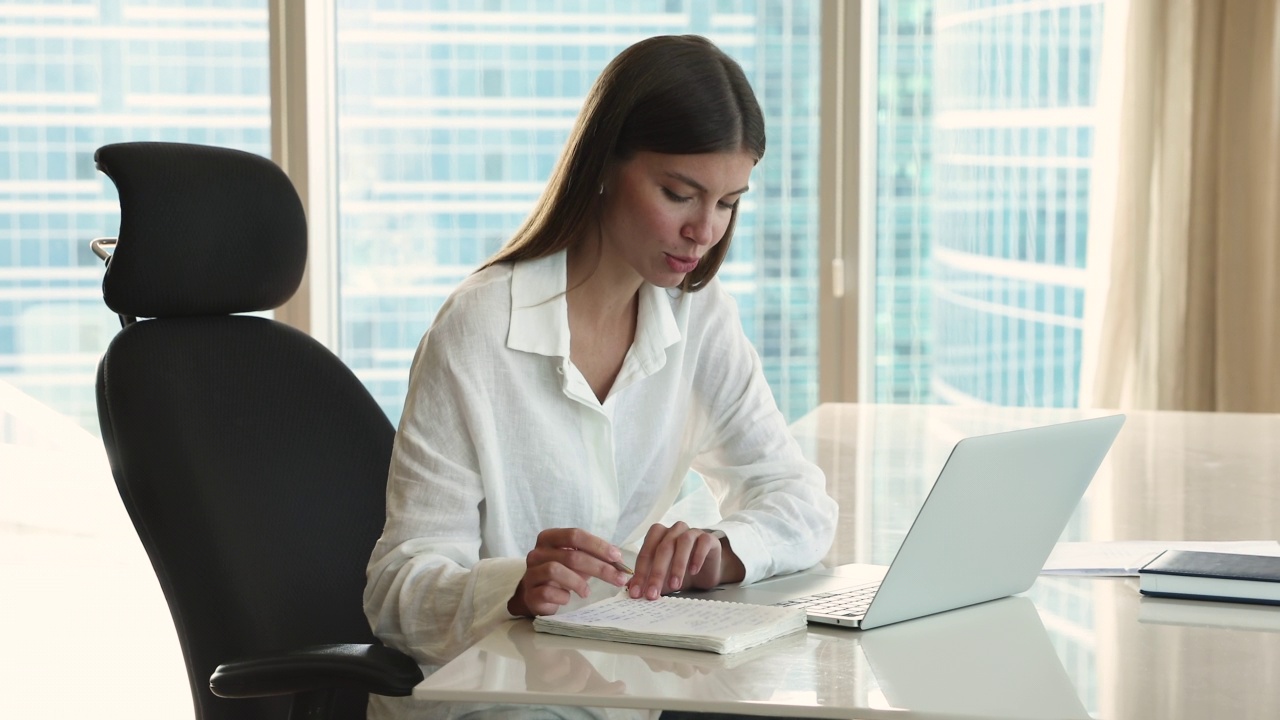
(74, 76)
(984, 139)
(1015, 91)
(903, 305)
(450, 116)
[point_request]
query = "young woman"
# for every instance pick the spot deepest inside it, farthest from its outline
(567, 388)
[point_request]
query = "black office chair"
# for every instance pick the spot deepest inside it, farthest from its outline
(252, 461)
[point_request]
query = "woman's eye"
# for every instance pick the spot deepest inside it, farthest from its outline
(674, 197)
(727, 205)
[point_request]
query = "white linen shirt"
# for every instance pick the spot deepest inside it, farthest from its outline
(502, 437)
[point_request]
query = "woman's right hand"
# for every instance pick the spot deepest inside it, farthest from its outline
(562, 562)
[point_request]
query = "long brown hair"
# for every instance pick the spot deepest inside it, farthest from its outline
(673, 94)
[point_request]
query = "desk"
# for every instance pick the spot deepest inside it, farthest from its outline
(1081, 648)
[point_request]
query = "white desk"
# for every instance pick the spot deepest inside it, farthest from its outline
(1093, 650)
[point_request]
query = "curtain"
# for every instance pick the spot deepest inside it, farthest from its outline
(1186, 210)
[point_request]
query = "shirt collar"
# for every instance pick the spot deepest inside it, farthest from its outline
(540, 314)
(656, 328)
(539, 311)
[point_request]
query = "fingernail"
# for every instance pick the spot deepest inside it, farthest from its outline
(675, 583)
(615, 554)
(633, 592)
(620, 579)
(653, 593)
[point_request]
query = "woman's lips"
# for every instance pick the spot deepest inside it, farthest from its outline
(681, 264)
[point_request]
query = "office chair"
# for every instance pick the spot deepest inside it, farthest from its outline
(251, 460)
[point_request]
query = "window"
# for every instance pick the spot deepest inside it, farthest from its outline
(451, 117)
(75, 76)
(984, 132)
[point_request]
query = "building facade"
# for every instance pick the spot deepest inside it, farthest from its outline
(75, 76)
(1015, 93)
(903, 300)
(450, 116)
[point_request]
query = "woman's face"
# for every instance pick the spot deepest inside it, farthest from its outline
(661, 213)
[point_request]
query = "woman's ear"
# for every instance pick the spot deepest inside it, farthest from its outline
(608, 176)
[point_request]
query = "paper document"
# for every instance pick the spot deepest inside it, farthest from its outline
(1124, 557)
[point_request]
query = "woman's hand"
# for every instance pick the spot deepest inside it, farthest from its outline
(680, 557)
(560, 563)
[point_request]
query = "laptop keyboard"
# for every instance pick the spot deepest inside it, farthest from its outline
(846, 602)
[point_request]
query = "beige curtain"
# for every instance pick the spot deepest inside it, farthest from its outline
(1186, 210)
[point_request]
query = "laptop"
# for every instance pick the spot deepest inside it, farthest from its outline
(984, 532)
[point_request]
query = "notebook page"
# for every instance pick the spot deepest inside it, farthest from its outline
(696, 624)
(672, 616)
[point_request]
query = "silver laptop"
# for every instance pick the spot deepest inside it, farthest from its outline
(984, 532)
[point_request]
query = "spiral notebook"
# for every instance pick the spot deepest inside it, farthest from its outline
(678, 622)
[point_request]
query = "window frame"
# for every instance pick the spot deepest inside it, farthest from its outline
(304, 145)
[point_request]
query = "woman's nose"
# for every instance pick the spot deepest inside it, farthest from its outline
(701, 229)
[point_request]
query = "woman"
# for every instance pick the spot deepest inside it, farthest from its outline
(565, 389)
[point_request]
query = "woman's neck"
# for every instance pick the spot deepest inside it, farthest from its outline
(598, 288)
(603, 312)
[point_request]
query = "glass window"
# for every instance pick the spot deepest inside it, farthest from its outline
(102, 72)
(985, 183)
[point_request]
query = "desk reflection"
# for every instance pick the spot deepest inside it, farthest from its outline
(517, 663)
(993, 660)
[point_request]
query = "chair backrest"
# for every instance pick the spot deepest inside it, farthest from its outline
(252, 461)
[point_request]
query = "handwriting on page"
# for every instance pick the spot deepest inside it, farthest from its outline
(672, 615)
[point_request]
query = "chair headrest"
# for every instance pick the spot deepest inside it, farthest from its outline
(203, 231)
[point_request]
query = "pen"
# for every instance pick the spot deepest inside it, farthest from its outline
(617, 564)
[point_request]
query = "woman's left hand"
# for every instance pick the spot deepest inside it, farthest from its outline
(680, 557)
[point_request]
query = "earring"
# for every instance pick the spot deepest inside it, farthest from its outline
(601, 188)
